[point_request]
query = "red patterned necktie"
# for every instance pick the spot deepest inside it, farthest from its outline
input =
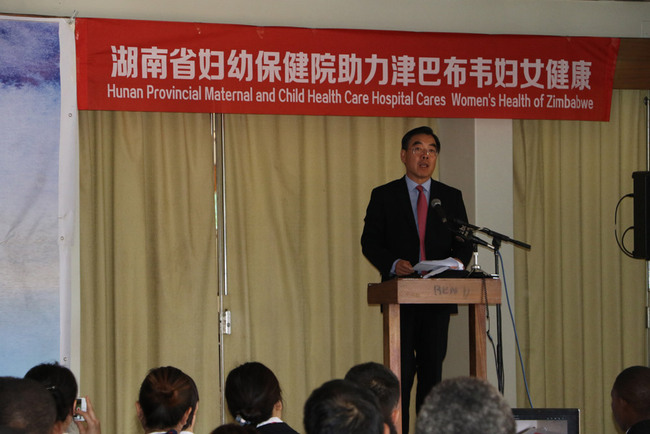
(422, 219)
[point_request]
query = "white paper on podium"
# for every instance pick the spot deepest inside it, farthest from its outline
(434, 267)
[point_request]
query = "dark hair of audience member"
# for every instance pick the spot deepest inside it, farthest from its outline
(382, 382)
(631, 397)
(251, 391)
(633, 385)
(342, 407)
(165, 396)
(26, 406)
(234, 428)
(60, 382)
(9, 430)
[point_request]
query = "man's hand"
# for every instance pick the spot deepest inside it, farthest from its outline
(403, 268)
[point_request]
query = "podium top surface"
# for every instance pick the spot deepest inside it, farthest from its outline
(435, 291)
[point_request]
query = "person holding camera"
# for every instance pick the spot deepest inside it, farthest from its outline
(62, 385)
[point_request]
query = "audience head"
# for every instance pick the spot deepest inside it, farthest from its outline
(465, 405)
(631, 396)
(342, 407)
(383, 383)
(26, 406)
(9, 430)
(233, 428)
(60, 382)
(253, 393)
(168, 399)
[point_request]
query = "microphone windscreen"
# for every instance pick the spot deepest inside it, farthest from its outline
(436, 204)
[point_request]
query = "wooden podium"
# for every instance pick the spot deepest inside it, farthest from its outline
(476, 293)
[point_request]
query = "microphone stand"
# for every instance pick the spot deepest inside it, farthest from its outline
(497, 238)
(500, 373)
(466, 231)
(475, 268)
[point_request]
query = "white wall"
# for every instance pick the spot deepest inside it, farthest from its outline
(476, 156)
(544, 17)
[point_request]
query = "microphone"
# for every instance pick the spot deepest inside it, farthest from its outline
(468, 234)
(464, 230)
(436, 205)
(491, 233)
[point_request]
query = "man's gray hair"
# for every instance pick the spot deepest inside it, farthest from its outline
(465, 405)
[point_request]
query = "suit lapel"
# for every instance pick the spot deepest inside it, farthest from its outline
(434, 193)
(434, 225)
(404, 204)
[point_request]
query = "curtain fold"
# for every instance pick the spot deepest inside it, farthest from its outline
(580, 301)
(148, 258)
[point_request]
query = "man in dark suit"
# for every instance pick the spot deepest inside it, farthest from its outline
(391, 242)
(631, 400)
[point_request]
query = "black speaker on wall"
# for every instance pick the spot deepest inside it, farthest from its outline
(641, 215)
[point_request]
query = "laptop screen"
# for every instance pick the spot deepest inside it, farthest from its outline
(547, 420)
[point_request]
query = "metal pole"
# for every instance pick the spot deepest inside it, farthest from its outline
(647, 263)
(499, 356)
(646, 100)
(218, 155)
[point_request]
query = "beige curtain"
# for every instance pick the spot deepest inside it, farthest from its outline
(296, 192)
(148, 259)
(580, 301)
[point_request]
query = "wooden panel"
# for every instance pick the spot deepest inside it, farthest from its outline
(392, 348)
(633, 64)
(477, 348)
(435, 291)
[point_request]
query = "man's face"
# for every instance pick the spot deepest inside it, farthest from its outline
(420, 157)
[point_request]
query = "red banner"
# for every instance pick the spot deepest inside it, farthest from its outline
(198, 67)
